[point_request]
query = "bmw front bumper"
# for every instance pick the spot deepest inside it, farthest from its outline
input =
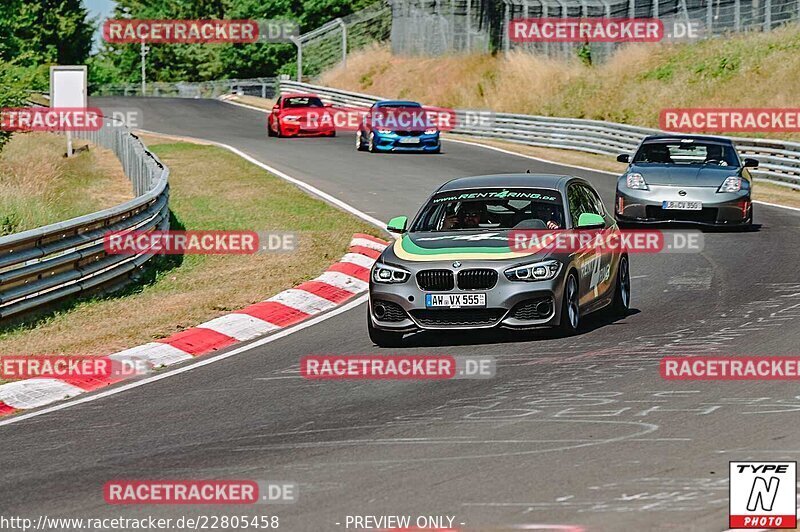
(719, 208)
(513, 304)
(407, 142)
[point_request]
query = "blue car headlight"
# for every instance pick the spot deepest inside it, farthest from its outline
(385, 131)
(431, 131)
(537, 271)
(384, 274)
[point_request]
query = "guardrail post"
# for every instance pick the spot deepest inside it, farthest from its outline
(709, 18)
(656, 6)
(737, 15)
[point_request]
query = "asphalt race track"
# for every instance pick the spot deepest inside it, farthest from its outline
(579, 431)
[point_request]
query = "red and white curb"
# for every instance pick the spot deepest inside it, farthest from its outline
(341, 282)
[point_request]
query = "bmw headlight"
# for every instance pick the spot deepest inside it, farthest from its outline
(291, 118)
(537, 271)
(385, 274)
(636, 181)
(431, 131)
(385, 131)
(731, 184)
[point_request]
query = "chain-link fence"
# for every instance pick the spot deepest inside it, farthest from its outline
(434, 27)
(328, 45)
(683, 19)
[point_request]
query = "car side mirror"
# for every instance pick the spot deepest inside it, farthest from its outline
(624, 158)
(328, 105)
(275, 107)
(398, 224)
(751, 163)
(590, 220)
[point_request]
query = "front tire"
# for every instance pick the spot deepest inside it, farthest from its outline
(359, 141)
(383, 338)
(371, 143)
(621, 303)
(570, 307)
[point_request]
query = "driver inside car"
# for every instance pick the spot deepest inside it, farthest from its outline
(469, 216)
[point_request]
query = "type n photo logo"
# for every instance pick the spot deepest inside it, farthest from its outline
(763, 495)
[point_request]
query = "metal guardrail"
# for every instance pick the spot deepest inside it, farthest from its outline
(779, 161)
(43, 265)
(263, 87)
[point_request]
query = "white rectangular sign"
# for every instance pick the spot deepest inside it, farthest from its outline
(68, 86)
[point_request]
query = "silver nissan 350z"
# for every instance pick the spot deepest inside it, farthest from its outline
(688, 179)
(455, 267)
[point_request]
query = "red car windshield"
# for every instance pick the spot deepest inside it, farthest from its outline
(302, 101)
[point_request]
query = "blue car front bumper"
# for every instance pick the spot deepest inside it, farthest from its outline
(407, 142)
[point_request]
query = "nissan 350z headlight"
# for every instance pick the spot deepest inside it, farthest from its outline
(538, 271)
(636, 181)
(731, 184)
(385, 274)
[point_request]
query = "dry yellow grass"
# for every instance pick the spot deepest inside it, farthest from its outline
(38, 185)
(210, 189)
(747, 70)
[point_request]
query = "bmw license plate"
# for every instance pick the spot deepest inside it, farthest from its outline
(409, 140)
(682, 205)
(455, 300)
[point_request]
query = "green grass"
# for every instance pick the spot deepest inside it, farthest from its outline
(211, 189)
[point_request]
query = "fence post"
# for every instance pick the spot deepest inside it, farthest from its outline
(767, 15)
(709, 18)
(469, 26)
(299, 45)
(737, 15)
(507, 18)
(632, 9)
(656, 6)
(344, 41)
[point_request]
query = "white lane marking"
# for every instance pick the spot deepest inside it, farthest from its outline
(286, 177)
(360, 260)
(240, 326)
(155, 353)
(567, 165)
(303, 301)
(246, 106)
(32, 393)
(367, 243)
(163, 355)
(343, 281)
(198, 362)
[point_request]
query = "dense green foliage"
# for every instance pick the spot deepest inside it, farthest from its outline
(201, 62)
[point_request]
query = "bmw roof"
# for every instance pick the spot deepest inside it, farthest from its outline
(553, 181)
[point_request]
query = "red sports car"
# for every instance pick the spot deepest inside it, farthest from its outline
(297, 115)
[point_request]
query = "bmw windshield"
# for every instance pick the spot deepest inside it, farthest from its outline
(497, 209)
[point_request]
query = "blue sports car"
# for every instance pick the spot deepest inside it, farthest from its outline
(392, 126)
